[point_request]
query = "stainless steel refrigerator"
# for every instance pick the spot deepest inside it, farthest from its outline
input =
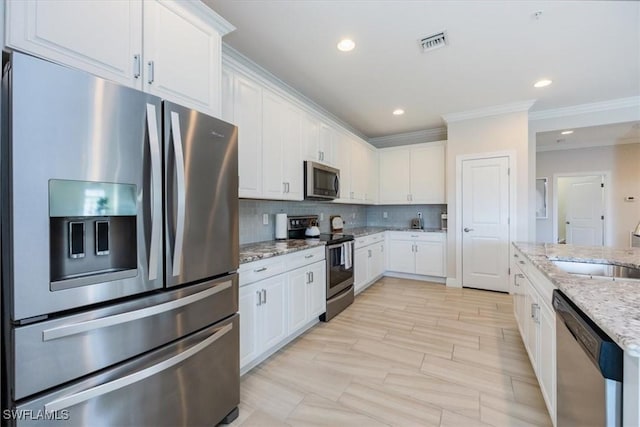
(119, 254)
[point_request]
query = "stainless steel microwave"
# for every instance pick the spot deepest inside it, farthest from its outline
(321, 182)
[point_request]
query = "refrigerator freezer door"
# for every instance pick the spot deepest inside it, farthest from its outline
(67, 348)
(191, 382)
(68, 125)
(201, 184)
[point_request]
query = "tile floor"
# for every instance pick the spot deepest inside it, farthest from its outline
(406, 353)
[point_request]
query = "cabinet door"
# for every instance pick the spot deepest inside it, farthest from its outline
(380, 258)
(372, 268)
(292, 171)
(248, 305)
(360, 267)
(344, 164)
(427, 174)
(394, 176)
(228, 82)
(326, 143)
(272, 112)
(298, 286)
(317, 290)
(359, 170)
(430, 258)
(310, 137)
(547, 357)
(371, 176)
(182, 58)
(273, 311)
(532, 331)
(247, 115)
(100, 36)
(401, 256)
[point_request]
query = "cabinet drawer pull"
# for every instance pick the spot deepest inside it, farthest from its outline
(521, 262)
(260, 269)
(308, 256)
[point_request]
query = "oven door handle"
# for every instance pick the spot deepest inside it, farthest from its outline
(338, 245)
(117, 319)
(91, 393)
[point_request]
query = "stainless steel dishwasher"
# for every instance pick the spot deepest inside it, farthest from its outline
(589, 370)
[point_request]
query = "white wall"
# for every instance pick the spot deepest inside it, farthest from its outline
(505, 132)
(623, 163)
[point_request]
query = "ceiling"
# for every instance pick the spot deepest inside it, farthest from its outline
(496, 51)
(591, 136)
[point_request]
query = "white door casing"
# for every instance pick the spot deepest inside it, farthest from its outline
(485, 223)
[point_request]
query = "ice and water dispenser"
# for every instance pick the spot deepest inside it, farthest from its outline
(92, 232)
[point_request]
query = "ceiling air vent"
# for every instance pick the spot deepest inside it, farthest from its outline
(433, 41)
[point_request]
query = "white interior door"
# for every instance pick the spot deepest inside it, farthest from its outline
(485, 223)
(585, 210)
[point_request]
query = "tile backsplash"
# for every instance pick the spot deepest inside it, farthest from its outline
(252, 228)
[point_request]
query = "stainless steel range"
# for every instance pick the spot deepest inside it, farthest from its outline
(339, 259)
(119, 255)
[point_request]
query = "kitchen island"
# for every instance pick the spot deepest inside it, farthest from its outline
(612, 305)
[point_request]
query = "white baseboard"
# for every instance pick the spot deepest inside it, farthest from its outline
(415, 277)
(452, 282)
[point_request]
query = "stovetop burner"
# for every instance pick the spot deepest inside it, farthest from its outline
(298, 225)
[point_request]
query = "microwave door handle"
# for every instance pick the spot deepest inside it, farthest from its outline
(102, 389)
(179, 159)
(336, 185)
(156, 191)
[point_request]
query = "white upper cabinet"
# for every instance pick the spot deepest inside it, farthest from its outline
(427, 174)
(413, 174)
(102, 37)
(372, 176)
(182, 57)
(281, 164)
(247, 115)
(310, 137)
(395, 176)
(327, 141)
(168, 48)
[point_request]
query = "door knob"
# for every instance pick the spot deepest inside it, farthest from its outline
(466, 230)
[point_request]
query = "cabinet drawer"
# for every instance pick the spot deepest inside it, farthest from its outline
(258, 270)
(306, 257)
(417, 235)
(375, 238)
(363, 241)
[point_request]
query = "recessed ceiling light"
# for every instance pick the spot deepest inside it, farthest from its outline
(398, 112)
(566, 132)
(346, 45)
(542, 83)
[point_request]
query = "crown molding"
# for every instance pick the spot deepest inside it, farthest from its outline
(238, 62)
(594, 107)
(207, 13)
(408, 138)
(588, 144)
(496, 110)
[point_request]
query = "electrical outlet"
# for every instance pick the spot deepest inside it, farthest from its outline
(385, 215)
(265, 219)
(321, 216)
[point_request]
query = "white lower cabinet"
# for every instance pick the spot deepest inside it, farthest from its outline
(263, 319)
(307, 290)
(417, 253)
(537, 323)
(279, 298)
(368, 260)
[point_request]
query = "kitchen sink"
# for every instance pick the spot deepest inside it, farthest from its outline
(598, 271)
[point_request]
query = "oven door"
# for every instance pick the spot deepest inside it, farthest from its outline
(339, 268)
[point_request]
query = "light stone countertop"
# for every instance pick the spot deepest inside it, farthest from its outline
(254, 251)
(365, 231)
(613, 305)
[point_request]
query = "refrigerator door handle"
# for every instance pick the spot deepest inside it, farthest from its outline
(102, 389)
(179, 156)
(117, 319)
(156, 191)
